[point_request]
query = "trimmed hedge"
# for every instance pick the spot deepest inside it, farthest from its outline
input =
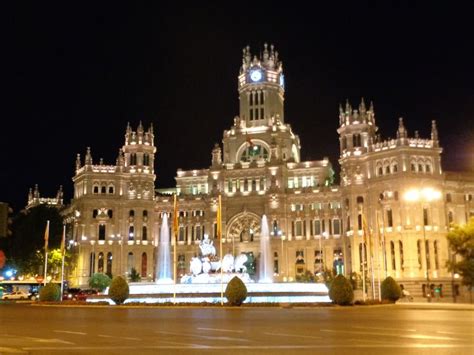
(341, 291)
(50, 293)
(119, 290)
(391, 291)
(236, 292)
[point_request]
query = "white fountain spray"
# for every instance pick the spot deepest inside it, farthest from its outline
(163, 266)
(265, 270)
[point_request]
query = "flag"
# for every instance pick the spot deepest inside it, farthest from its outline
(175, 218)
(219, 219)
(63, 241)
(46, 236)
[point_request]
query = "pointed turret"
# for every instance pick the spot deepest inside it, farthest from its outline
(216, 155)
(434, 134)
(362, 108)
(78, 161)
(401, 132)
(36, 194)
(88, 159)
(30, 195)
(59, 195)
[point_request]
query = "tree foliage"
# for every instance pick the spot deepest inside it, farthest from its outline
(390, 289)
(236, 291)
(25, 249)
(461, 243)
(99, 281)
(50, 293)
(119, 290)
(341, 291)
(134, 275)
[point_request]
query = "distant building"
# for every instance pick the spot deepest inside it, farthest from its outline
(34, 198)
(5, 220)
(393, 189)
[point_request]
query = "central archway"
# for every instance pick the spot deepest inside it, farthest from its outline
(244, 227)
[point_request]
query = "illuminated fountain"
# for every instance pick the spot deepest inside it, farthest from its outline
(210, 274)
(163, 264)
(265, 270)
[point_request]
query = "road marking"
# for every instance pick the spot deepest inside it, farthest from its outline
(4, 350)
(453, 333)
(253, 347)
(130, 338)
(410, 336)
(68, 332)
(294, 335)
(105, 336)
(395, 329)
(221, 330)
(201, 336)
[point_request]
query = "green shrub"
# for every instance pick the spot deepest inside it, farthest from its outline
(341, 291)
(134, 275)
(50, 293)
(99, 281)
(119, 290)
(236, 292)
(391, 291)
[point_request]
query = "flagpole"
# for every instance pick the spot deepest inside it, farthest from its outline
(46, 237)
(219, 229)
(63, 253)
(175, 233)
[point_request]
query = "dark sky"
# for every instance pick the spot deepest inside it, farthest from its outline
(74, 75)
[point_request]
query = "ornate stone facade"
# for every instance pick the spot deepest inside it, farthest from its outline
(393, 189)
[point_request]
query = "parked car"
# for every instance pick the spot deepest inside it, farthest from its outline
(71, 293)
(83, 294)
(16, 295)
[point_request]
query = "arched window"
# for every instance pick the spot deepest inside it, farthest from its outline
(436, 256)
(402, 260)
(103, 189)
(427, 252)
(413, 167)
(131, 233)
(420, 167)
(133, 159)
(92, 264)
(394, 167)
(392, 254)
(145, 213)
(360, 199)
(131, 213)
(100, 266)
(144, 233)
(380, 170)
(144, 263)
(428, 167)
(275, 263)
(254, 152)
(418, 250)
(387, 169)
(450, 217)
(109, 264)
(130, 262)
(111, 189)
(96, 189)
(146, 159)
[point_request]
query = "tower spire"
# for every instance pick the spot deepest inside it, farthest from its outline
(88, 159)
(434, 133)
(401, 132)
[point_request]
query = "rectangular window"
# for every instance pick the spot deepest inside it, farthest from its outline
(317, 227)
(251, 115)
(359, 222)
(198, 233)
(102, 232)
(425, 216)
(181, 235)
(389, 218)
(261, 113)
(298, 228)
(337, 226)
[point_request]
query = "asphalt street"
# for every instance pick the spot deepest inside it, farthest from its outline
(393, 329)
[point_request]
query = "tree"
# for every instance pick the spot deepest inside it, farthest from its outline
(236, 291)
(461, 243)
(391, 291)
(341, 292)
(99, 281)
(25, 249)
(134, 275)
(119, 290)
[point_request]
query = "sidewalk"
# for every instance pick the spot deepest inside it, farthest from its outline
(423, 303)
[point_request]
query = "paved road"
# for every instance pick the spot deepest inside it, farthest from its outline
(355, 330)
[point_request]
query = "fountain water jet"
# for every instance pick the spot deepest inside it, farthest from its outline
(163, 264)
(265, 270)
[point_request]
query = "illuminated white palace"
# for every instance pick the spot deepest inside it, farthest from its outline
(393, 189)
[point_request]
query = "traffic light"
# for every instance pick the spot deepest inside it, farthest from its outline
(5, 220)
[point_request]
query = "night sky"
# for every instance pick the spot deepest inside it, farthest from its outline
(74, 75)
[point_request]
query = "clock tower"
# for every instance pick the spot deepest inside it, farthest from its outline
(261, 87)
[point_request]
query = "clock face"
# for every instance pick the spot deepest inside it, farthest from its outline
(256, 75)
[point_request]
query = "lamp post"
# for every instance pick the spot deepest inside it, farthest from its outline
(425, 195)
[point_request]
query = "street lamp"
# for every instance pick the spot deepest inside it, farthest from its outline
(425, 195)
